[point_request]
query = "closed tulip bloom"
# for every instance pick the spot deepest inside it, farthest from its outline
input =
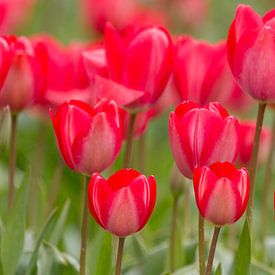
(247, 132)
(251, 52)
(139, 66)
(221, 192)
(89, 139)
(199, 69)
(122, 204)
(24, 81)
(202, 135)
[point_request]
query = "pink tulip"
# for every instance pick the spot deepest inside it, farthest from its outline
(89, 139)
(25, 73)
(122, 204)
(251, 52)
(221, 192)
(202, 135)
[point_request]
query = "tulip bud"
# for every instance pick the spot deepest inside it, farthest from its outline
(23, 83)
(89, 139)
(202, 135)
(251, 52)
(122, 204)
(221, 192)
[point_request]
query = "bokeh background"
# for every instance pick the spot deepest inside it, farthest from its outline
(51, 181)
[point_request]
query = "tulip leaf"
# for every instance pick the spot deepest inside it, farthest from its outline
(242, 261)
(48, 227)
(104, 261)
(12, 238)
(218, 270)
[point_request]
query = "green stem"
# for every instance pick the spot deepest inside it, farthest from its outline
(12, 158)
(84, 228)
(267, 185)
(129, 143)
(186, 212)
(142, 153)
(212, 250)
(201, 245)
(119, 255)
(253, 162)
(173, 234)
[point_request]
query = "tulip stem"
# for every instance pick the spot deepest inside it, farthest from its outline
(129, 143)
(84, 227)
(201, 245)
(173, 234)
(142, 153)
(12, 158)
(267, 185)
(253, 161)
(212, 250)
(119, 255)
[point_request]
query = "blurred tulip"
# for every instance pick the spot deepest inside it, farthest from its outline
(122, 14)
(139, 66)
(89, 139)
(25, 74)
(221, 192)
(122, 204)
(251, 52)
(140, 125)
(247, 132)
(202, 136)
(201, 74)
(13, 13)
(66, 78)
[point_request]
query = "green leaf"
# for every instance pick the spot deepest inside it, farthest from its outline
(48, 227)
(59, 227)
(218, 270)
(243, 255)
(54, 239)
(12, 238)
(104, 261)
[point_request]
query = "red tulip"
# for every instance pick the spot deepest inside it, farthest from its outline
(24, 82)
(123, 203)
(66, 78)
(89, 139)
(198, 70)
(221, 192)
(139, 66)
(251, 52)
(202, 136)
(247, 132)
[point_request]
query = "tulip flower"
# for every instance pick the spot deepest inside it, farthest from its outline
(89, 139)
(139, 66)
(65, 76)
(221, 192)
(251, 53)
(251, 58)
(24, 81)
(202, 135)
(122, 204)
(247, 132)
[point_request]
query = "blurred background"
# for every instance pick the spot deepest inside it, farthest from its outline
(54, 185)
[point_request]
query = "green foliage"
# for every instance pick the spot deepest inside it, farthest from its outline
(218, 270)
(12, 238)
(242, 264)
